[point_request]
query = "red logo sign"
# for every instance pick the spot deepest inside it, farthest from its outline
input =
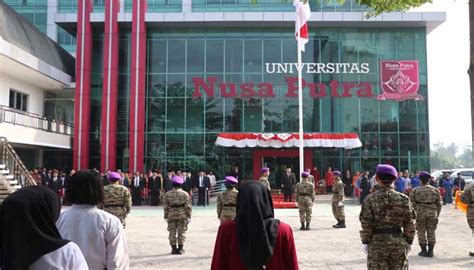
(399, 80)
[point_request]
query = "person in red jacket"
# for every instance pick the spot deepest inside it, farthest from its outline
(329, 179)
(254, 239)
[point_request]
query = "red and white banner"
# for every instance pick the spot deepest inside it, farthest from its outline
(303, 13)
(287, 140)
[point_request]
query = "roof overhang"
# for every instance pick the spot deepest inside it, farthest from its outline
(24, 66)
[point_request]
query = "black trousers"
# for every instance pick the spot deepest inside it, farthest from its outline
(201, 196)
(155, 198)
(288, 194)
(136, 198)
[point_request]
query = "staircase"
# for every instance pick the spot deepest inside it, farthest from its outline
(13, 173)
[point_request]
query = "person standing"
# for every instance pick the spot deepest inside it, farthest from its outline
(459, 183)
(117, 198)
(138, 184)
(387, 221)
(188, 182)
(467, 197)
(304, 192)
(212, 178)
(99, 234)
(288, 179)
(265, 172)
(426, 201)
(347, 180)
(227, 200)
(254, 239)
(329, 180)
(364, 187)
(167, 183)
(177, 213)
(448, 185)
(235, 172)
(338, 201)
(154, 183)
(55, 183)
(415, 180)
(202, 184)
(310, 177)
(315, 173)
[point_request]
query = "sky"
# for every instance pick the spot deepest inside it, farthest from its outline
(448, 81)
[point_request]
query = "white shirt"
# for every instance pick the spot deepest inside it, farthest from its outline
(200, 181)
(137, 181)
(212, 179)
(99, 234)
(67, 257)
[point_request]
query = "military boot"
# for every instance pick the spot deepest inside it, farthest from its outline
(341, 225)
(336, 225)
(173, 249)
(302, 226)
(423, 252)
(180, 250)
(307, 226)
(430, 250)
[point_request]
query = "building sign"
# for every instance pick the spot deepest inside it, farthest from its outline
(399, 80)
(396, 86)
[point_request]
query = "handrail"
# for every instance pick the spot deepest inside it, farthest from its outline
(15, 117)
(9, 157)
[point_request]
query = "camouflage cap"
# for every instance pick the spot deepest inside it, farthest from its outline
(231, 179)
(114, 176)
(177, 180)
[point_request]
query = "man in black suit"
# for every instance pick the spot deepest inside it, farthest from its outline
(235, 172)
(44, 177)
(154, 183)
(288, 179)
(202, 184)
(138, 184)
(55, 183)
(167, 184)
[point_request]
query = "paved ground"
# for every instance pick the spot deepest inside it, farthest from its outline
(321, 248)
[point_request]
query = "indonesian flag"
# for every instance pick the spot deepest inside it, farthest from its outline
(302, 16)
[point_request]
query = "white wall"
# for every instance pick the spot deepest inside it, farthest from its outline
(35, 94)
(31, 136)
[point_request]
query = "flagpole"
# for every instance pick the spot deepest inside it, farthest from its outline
(300, 100)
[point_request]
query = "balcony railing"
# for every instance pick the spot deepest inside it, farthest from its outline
(19, 118)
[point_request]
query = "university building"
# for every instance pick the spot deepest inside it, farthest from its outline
(211, 84)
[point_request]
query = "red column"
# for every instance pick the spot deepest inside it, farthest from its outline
(137, 88)
(83, 86)
(109, 87)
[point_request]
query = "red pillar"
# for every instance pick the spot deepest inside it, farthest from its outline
(83, 86)
(137, 88)
(110, 87)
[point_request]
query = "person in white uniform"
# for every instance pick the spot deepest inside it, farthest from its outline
(29, 237)
(99, 234)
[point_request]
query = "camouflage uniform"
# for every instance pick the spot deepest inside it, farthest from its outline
(117, 201)
(382, 217)
(467, 197)
(226, 205)
(338, 196)
(311, 179)
(427, 204)
(304, 191)
(177, 210)
(265, 182)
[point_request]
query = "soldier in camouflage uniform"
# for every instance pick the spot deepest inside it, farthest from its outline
(338, 201)
(467, 197)
(426, 201)
(383, 215)
(304, 191)
(265, 172)
(227, 200)
(310, 177)
(177, 210)
(117, 198)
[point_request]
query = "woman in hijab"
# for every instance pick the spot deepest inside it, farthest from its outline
(254, 239)
(28, 234)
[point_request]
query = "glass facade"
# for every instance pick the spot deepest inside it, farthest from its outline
(35, 11)
(181, 130)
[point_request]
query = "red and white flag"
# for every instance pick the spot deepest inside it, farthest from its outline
(302, 16)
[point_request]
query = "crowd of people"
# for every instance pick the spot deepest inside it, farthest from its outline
(39, 236)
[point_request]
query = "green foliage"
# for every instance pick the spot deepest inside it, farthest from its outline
(447, 157)
(380, 6)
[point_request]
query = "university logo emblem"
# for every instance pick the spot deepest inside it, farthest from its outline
(399, 80)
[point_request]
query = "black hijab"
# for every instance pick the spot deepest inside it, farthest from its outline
(27, 227)
(256, 227)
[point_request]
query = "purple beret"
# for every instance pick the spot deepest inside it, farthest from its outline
(388, 170)
(231, 179)
(264, 170)
(336, 173)
(304, 174)
(114, 175)
(425, 174)
(177, 180)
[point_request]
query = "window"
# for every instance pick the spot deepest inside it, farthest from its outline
(18, 100)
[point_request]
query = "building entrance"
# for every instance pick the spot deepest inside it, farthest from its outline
(278, 167)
